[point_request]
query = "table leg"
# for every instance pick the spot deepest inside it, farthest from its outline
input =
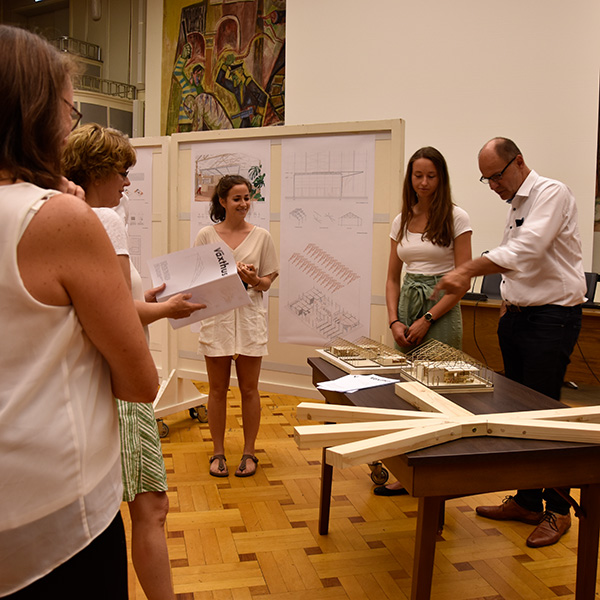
(325, 504)
(587, 544)
(427, 527)
(442, 517)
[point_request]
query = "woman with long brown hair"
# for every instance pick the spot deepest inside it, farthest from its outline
(428, 238)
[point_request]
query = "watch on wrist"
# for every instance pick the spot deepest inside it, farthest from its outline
(429, 318)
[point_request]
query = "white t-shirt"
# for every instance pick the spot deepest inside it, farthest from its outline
(117, 232)
(420, 255)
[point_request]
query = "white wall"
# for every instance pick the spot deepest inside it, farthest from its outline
(459, 72)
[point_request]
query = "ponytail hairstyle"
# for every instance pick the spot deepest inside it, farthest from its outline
(217, 210)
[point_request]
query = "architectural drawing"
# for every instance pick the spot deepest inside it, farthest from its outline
(319, 312)
(327, 198)
(213, 160)
(328, 175)
(209, 168)
(299, 215)
(350, 220)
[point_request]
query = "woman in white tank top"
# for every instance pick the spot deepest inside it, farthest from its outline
(66, 351)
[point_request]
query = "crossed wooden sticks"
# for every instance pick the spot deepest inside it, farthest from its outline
(361, 435)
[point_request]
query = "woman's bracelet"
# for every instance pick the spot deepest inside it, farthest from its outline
(396, 321)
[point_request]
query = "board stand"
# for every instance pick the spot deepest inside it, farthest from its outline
(176, 394)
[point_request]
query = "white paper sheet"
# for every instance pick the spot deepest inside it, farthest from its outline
(353, 383)
(208, 272)
(327, 198)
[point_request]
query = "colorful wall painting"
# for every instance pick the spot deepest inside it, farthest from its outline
(226, 64)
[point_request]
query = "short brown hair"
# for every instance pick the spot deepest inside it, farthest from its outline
(33, 77)
(94, 153)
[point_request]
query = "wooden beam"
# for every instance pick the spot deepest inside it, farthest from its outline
(581, 414)
(425, 399)
(392, 444)
(311, 436)
(558, 431)
(334, 413)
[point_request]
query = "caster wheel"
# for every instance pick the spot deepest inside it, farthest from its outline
(163, 429)
(200, 413)
(380, 477)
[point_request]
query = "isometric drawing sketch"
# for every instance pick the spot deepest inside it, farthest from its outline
(317, 306)
(325, 316)
(298, 215)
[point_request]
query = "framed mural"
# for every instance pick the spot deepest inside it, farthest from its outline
(223, 64)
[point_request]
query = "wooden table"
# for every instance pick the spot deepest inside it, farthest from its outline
(480, 340)
(479, 465)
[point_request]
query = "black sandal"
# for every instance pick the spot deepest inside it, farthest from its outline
(222, 470)
(241, 470)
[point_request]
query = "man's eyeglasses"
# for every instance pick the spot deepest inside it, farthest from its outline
(498, 176)
(75, 115)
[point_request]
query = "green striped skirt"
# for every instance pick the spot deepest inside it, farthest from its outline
(414, 303)
(141, 453)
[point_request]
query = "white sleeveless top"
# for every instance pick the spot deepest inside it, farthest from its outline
(60, 472)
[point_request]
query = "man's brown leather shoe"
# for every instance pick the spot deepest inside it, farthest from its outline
(552, 527)
(509, 510)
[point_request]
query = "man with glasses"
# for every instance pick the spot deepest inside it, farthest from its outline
(543, 287)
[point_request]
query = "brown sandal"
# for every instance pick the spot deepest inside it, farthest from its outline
(222, 469)
(241, 470)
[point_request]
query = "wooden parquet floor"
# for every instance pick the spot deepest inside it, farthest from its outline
(256, 538)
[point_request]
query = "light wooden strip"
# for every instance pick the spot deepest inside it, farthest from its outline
(217, 577)
(392, 444)
(582, 414)
(207, 518)
(561, 431)
(311, 436)
(421, 397)
(348, 414)
(356, 562)
(273, 540)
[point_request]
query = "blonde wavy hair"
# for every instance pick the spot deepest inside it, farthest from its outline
(94, 153)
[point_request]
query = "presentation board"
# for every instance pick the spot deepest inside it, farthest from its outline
(332, 170)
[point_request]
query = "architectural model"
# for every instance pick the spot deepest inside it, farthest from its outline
(363, 356)
(446, 369)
